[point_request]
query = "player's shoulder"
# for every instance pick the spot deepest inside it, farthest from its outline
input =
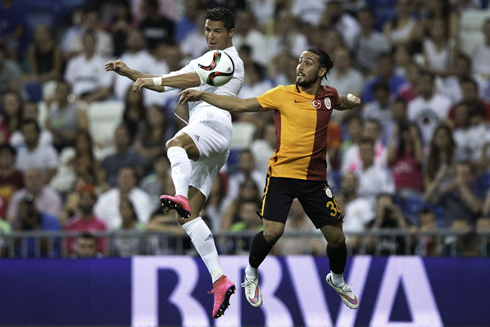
(328, 90)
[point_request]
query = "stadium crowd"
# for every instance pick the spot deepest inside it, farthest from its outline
(81, 152)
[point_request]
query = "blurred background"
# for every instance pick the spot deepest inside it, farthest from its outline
(82, 158)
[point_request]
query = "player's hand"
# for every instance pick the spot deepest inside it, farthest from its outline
(117, 66)
(189, 95)
(141, 83)
(354, 99)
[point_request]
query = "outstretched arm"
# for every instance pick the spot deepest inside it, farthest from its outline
(348, 102)
(180, 81)
(224, 102)
(120, 68)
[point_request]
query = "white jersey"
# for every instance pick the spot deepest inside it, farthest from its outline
(231, 88)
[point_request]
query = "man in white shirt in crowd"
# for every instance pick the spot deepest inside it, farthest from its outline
(86, 73)
(135, 56)
(429, 108)
(107, 205)
(373, 179)
(34, 154)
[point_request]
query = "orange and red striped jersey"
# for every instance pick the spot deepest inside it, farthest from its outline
(301, 122)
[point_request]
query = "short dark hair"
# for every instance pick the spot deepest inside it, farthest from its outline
(31, 121)
(87, 236)
(367, 140)
(221, 14)
(381, 86)
(324, 59)
(9, 148)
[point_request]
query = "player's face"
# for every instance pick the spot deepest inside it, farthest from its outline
(217, 37)
(308, 70)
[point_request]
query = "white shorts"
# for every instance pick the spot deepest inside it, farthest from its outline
(211, 132)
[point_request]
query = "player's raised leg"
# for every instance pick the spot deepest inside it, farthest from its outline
(337, 257)
(180, 150)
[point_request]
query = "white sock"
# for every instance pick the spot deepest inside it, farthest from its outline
(203, 241)
(337, 279)
(251, 273)
(181, 169)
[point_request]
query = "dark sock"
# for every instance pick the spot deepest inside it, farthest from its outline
(259, 250)
(337, 257)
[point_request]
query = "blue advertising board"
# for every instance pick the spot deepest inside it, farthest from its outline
(172, 291)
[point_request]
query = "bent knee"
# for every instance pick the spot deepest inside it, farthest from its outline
(272, 236)
(337, 242)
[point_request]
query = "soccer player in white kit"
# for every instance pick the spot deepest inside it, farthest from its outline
(199, 150)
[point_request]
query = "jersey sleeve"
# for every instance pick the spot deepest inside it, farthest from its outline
(335, 98)
(272, 99)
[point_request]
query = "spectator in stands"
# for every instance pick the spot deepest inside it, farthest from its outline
(86, 74)
(380, 108)
(451, 86)
(107, 206)
(46, 199)
(454, 245)
(30, 111)
(351, 161)
(403, 58)
(248, 192)
(246, 169)
(125, 155)
(429, 109)
(370, 43)
(246, 33)
(166, 244)
(358, 211)
(86, 247)
(409, 90)
(11, 115)
(9, 74)
(134, 112)
(405, 158)
(299, 222)
(483, 225)
(404, 29)
(282, 69)
(155, 27)
(287, 38)
(247, 220)
(384, 72)
(78, 165)
(44, 56)
(440, 161)
(486, 205)
(335, 15)
(5, 229)
(135, 56)
(481, 64)
(84, 220)
(469, 93)
(154, 133)
(104, 45)
(460, 199)
(189, 22)
(155, 183)
(128, 245)
(34, 154)
(13, 28)
(373, 179)
(388, 216)
(470, 137)
(442, 10)
(29, 218)
(76, 30)
(255, 83)
(11, 179)
(428, 245)
(354, 134)
(263, 147)
(215, 205)
(65, 118)
(119, 26)
(193, 45)
(345, 78)
(439, 51)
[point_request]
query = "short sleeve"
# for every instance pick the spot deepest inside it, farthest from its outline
(272, 99)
